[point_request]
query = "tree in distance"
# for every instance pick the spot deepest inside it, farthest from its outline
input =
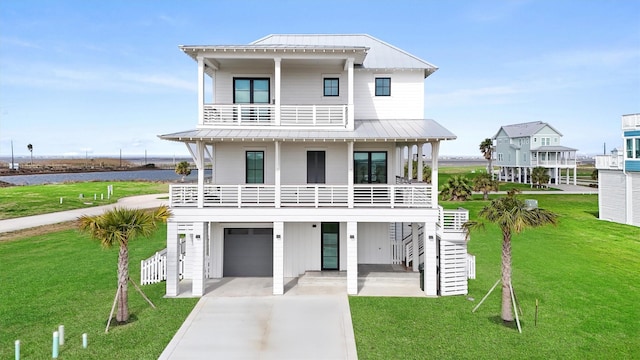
(183, 169)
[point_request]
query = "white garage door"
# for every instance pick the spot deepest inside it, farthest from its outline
(248, 252)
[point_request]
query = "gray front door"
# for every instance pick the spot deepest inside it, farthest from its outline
(248, 252)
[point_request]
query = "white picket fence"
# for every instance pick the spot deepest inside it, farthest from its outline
(154, 269)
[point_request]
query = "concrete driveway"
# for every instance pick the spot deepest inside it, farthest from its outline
(290, 326)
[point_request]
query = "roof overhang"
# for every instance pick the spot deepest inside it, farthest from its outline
(395, 131)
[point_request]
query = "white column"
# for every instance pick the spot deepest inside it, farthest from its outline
(519, 174)
(398, 160)
(430, 260)
(278, 258)
(197, 260)
(277, 87)
(173, 259)
(277, 173)
(420, 162)
(435, 149)
(350, 174)
(200, 90)
(352, 258)
(217, 250)
(200, 165)
(350, 95)
(575, 175)
(414, 242)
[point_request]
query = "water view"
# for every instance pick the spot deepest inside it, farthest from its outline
(148, 175)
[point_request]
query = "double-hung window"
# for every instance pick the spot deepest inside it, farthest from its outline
(331, 87)
(254, 167)
(383, 86)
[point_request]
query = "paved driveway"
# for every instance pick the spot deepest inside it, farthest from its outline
(266, 327)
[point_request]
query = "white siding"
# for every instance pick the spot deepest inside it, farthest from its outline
(406, 100)
(229, 162)
(635, 197)
(611, 195)
(301, 248)
(453, 268)
(374, 246)
(294, 162)
(304, 84)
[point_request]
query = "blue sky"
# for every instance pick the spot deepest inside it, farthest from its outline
(100, 77)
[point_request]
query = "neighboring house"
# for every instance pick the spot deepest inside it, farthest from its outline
(619, 177)
(306, 136)
(521, 147)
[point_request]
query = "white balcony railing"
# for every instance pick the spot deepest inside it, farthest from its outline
(266, 115)
(631, 122)
(612, 162)
(309, 195)
(553, 162)
(453, 220)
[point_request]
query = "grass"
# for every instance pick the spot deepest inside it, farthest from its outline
(65, 278)
(584, 273)
(470, 172)
(18, 201)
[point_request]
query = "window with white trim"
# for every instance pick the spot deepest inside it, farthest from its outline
(383, 86)
(331, 86)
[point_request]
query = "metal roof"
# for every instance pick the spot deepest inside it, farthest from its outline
(524, 129)
(554, 148)
(365, 130)
(380, 55)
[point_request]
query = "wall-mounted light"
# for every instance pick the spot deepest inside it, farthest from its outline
(430, 237)
(352, 236)
(277, 236)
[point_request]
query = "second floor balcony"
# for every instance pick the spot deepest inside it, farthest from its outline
(610, 162)
(332, 116)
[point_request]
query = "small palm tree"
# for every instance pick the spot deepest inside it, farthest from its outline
(486, 147)
(457, 188)
(539, 176)
(117, 227)
(513, 217)
(182, 168)
(30, 148)
(484, 184)
(426, 171)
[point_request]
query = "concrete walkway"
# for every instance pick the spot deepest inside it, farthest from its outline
(141, 202)
(290, 326)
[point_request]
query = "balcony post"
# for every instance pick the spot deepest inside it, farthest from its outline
(420, 164)
(278, 258)
(277, 71)
(410, 162)
(173, 260)
(200, 165)
(197, 273)
(200, 90)
(277, 175)
(350, 112)
(435, 149)
(352, 258)
(350, 174)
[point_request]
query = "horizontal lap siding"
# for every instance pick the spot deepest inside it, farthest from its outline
(453, 268)
(611, 195)
(303, 85)
(223, 80)
(293, 169)
(230, 159)
(406, 100)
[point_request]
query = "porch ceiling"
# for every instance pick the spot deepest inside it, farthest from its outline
(419, 130)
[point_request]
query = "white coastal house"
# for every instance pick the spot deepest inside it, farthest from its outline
(300, 143)
(521, 147)
(619, 177)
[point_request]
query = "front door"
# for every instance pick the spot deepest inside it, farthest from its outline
(330, 246)
(252, 91)
(315, 167)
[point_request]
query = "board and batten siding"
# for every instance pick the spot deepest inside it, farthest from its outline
(611, 194)
(301, 248)
(374, 246)
(453, 268)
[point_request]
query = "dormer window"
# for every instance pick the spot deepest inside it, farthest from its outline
(383, 86)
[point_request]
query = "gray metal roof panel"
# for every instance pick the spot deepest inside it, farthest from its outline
(524, 129)
(554, 148)
(395, 130)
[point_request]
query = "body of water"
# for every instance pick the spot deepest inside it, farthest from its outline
(148, 175)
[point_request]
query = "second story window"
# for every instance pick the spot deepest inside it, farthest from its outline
(383, 86)
(255, 167)
(331, 87)
(250, 91)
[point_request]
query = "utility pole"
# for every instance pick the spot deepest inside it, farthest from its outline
(13, 166)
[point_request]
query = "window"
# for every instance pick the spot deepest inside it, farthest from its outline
(546, 141)
(331, 87)
(637, 148)
(255, 167)
(315, 167)
(500, 157)
(251, 91)
(629, 148)
(383, 86)
(370, 167)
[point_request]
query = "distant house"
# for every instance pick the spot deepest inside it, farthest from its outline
(306, 136)
(619, 177)
(521, 147)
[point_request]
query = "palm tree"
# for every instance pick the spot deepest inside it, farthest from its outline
(426, 171)
(539, 176)
(512, 216)
(30, 148)
(485, 184)
(457, 188)
(117, 227)
(486, 147)
(182, 168)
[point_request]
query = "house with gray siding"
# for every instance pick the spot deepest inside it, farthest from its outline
(619, 177)
(300, 145)
(521, 147)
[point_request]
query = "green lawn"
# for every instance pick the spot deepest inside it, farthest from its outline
(65, 278)
(18, 201)
(584, 272)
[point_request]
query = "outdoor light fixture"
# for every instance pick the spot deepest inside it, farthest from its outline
(352, 236)
(277, 236)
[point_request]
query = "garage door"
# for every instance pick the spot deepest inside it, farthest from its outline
(248, 252)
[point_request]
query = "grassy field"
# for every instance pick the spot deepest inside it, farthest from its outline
(20, 201)
(65, 278)
(584, 273)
